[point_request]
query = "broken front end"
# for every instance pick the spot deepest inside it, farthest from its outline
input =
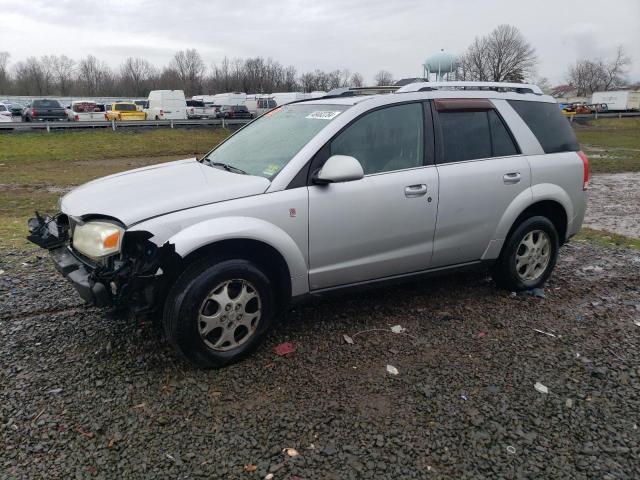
(108, 266)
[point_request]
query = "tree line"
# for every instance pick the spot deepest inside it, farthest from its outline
(503, 55)
(135, 77)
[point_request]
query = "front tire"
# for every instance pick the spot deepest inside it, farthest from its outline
(529, 255)
(219, 311)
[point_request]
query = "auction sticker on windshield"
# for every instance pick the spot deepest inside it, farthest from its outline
(323, 115)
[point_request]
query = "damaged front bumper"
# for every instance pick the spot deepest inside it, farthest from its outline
(80, 276)
(132, 279)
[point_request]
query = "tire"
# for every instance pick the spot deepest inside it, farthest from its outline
(515, 269)
(196, 292)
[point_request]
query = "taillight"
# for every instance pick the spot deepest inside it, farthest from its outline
(585, 170)
(34, 112)
(161, 112)
(76, 118)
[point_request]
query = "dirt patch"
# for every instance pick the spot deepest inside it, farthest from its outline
(614, 203)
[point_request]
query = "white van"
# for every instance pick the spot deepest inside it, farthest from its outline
(166, 105)
(259, 104)
(283, 98)
(231, 98)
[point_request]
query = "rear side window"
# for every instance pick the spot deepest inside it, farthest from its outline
(472, 135)
(501, 141)
(548, 125)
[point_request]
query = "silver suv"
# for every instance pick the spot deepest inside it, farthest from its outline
(325, 194)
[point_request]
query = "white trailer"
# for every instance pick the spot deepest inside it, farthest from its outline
(618, 100)
(283, 98)
(230, 98)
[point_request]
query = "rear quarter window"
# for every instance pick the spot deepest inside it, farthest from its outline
(550, 127)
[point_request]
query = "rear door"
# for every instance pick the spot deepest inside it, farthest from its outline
(383, 224)
(481, 171)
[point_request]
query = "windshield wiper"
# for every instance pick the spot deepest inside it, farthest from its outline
(227, 167)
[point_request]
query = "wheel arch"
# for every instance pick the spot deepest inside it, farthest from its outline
(544, 199)
(253, 239)
(551, 209)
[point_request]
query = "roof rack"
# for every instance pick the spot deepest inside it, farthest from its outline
(353, 91)
(496, 86)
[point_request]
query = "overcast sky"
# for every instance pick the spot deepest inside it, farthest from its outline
(359, 35)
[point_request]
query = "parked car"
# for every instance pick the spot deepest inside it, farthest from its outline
(15, 108)
(598, 107)
(124, 111)
(322, 195)
(141, 104)
(234, 112)
(5, 112)
(166, 105)
(44, 110)
(85, 111)
(198, 109)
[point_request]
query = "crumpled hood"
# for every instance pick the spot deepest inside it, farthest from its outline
(147, 192)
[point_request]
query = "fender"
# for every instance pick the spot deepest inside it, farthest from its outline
(228, 228)
(535, 194)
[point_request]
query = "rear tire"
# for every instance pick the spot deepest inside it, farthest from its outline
(219, 311)
(528, 256)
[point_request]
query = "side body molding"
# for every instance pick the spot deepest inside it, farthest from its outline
(226, 228)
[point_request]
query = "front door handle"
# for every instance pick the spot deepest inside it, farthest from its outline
(511, 178)
(415, 190)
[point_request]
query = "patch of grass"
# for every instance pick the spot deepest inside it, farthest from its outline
(612, 144)
(102, 144)
(602, 237)
(37, 168)
(60, 158)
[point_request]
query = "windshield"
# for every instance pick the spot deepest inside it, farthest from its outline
(46, 103)
(126, 107)
(265, 146)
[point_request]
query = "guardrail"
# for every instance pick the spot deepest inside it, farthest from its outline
(595, 116)
(62, 125)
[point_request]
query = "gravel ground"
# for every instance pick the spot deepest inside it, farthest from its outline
(87, 397)
(614, 203)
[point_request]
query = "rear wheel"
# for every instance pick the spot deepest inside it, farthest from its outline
(529, 255)
(219, 312)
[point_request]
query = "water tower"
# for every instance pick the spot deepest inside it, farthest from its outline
(440, 64)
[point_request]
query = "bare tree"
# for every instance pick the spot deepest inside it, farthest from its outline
(33, 76)
(136, 76)
(588, 76)
(502, 56)
(190, 69)
(94, 76)
(5, 80)
(356, 80)
(616, 69)
(383, 77)
(62, 72)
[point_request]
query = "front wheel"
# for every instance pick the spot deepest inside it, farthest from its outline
(219, 311)
(529, 255)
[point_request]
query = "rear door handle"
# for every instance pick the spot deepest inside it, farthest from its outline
(415, 190)
(510, 178)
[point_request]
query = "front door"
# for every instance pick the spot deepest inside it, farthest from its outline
(383, 224)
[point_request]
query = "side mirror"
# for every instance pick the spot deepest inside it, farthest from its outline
(337, 169)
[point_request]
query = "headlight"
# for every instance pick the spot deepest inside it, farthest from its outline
(97, 239)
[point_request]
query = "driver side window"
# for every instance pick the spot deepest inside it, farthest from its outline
(385, 140)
